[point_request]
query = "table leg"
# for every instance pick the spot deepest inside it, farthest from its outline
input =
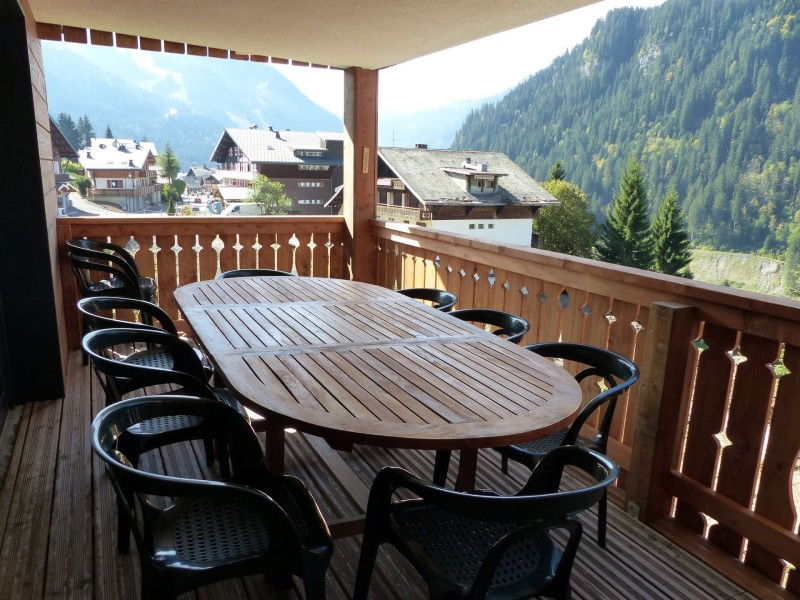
(467, 465)
(275, 446)
(440, 467)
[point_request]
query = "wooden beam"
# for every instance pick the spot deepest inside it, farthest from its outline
(661, 396)
(360, 169)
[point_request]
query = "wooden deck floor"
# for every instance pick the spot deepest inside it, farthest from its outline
(57, 514)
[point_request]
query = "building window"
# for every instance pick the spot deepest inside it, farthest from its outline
(309, 153)
(490, 225)
(472, 225)
(114, 183)
(309, 201)
(308, 184)
(480, 226)
(481, 184)
(312, 167)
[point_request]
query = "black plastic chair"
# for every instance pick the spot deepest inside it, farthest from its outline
(106, 269)
(121, 374)
(254, 273)
(616, 372)
(103, 312)
(190, 533)
(439, 299)
(483, 545)
(509, 325)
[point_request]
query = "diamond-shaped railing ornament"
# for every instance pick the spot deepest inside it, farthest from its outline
(329, 245)
(197, 247)
(636, 326)
(462, 273)
(564, 299)
(543, 297)
(312, 244)
(238, 246)
(132, 246)
(586, 310)
(294, 242)
(218, 244)
(396, 251)
(523, 292)
(176, 248)
(700, 344)
(491, 279)
(778, 368)
(437, 262)
(449, 269)
(736, 356)
(722, 439)
(476, 277)
(506, 286)
(275, 246)
(610, 317)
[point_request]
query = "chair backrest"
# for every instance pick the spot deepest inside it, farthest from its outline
(540, 506)
(101, 249)
(440, 299)
(618, 372)
(102, 312)
(254, 273)
(507, 324)
(99, 276)
(120, 377)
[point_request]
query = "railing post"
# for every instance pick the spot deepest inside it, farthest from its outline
(664, 380)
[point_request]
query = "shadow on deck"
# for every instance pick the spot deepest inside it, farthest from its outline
(57, 515)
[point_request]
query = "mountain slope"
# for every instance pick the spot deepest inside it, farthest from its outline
(706, 93)
(185, 100)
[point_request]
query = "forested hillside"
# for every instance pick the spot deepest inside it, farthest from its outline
(705, 93)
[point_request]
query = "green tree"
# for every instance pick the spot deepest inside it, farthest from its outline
(557, 172)
(171, 196)
(85, 131)
(168, 161)
(791, 266)
(625, 236)
(67, 166)
(83, 183)
(671, 253)
(70, 131)
(269, 195)
(569, 228)
(108, 132)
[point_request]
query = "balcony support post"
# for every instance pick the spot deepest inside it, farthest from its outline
(360, 169)
(666, 376)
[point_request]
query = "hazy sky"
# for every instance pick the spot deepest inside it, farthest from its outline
(448, 76)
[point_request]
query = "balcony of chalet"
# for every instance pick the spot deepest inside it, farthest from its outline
(707, 442)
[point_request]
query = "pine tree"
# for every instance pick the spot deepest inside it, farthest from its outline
(671, 254)
(85, 131)
(557, 172)
(108, 132)
(169, 163)
(70, 131)
(625, 236)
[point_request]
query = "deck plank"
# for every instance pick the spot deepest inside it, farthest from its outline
(58, 518)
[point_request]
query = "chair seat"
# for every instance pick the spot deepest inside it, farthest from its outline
(161, 358)
(458, 546)
(181, 535)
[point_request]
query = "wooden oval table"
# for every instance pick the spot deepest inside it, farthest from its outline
(357, 363)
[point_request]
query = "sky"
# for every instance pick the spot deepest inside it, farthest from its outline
(444, 76)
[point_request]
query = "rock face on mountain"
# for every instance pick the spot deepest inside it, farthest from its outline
(743, 271)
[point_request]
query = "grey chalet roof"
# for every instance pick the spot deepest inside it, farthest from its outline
(271, 146)
(433, 176)
(116, 154)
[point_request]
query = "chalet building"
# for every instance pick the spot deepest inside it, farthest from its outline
(123, 172)
(62, 149)
(309, 165)
(482, 194)
(195, 179)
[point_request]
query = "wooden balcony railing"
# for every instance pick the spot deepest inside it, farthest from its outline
(707, 440)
